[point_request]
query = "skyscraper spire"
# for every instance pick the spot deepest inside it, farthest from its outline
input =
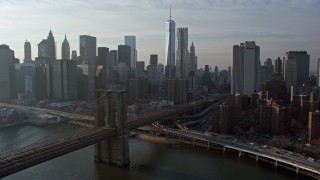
(170, 11)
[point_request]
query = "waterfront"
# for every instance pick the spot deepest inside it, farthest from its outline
(148, 161)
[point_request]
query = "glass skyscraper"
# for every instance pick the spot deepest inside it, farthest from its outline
(170, 46)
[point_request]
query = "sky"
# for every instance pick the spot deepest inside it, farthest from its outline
(277, 26)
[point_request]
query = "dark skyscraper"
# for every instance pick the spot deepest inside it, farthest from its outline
(88, 52)
(7, 72)
(27, 52)
(154, 59)
(278, 67)
(65, 49)
(51, 47)
(124, 54)
(103, 56)
(302, 60)
(193, 58)
(182, 67)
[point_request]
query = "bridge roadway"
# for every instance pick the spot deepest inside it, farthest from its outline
(78, 117)
(311, 169)
(18, 160)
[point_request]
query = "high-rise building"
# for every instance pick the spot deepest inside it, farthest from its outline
(112, 60)
(25, 74)
(131, 41)
(103, 56)
(170, 47)
(302, 59)
(88, 52)
(245, 68)
(51, 47)
(140, 68)
(154, 60)
(74, 55)
(27, 52)
(193, 58)
(216, 73)
(182, 68)
(43, 49)
(7, 73)
(124, 54)
(122, 70)
(266, 72)
(278, 67)
(65, 49)
(65, 80)
(290, 73)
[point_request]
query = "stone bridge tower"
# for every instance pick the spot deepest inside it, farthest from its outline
(111, 112)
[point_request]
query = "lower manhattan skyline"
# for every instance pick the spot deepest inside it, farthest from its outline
(215, 26)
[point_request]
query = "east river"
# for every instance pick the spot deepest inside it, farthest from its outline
(148, 160)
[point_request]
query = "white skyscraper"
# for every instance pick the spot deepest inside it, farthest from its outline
(131, 41)
(245, 68)
(170, 47)
(182, 68)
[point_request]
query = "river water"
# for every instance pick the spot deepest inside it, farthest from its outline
(148, 160)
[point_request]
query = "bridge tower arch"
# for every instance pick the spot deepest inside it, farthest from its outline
(111, 112)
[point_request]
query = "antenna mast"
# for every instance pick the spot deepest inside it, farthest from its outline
(170, 11)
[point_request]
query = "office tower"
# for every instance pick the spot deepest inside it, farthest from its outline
(176, 90)
(112, 60)
(140, 68)
(278, 67)
(302, 59)
(170, 47)
(229, 74)
(131, 41)
(266, 72)
(216, 72)
(182, 68)
(154, 60)
(122, 70)
(25, 77)
(290, 73)
(245, 68)
(65, 80)
(161, 68)
(138, 88)
(103, 56)
(27, 52)
(43, 49)
(193, 58)
(51, 47)
(318, 83)
(74, 55)
(124, 54)
(65, 49)
(7, 73)
(88, 51)
(40, 80)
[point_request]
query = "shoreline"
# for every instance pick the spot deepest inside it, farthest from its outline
(163, 140)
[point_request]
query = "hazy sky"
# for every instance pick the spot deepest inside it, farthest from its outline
(214, 25)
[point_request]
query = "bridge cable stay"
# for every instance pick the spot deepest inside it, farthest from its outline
(29, 136)
(52, 129)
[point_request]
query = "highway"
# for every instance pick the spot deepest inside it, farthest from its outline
(228, 143)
